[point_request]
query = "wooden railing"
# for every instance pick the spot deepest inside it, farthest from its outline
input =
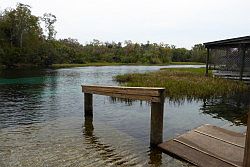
(153, 95)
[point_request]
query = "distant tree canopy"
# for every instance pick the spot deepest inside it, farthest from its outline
(23, 42)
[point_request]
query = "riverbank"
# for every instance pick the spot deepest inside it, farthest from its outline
(56, 66)
(86, 65)
(184, 82)
(119, 64)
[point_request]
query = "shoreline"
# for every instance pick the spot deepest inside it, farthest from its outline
(58, 66)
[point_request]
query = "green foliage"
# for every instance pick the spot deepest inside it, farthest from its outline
(181, 54)
(184, 83)
(20, 35)
(22, 42)
(198, 53)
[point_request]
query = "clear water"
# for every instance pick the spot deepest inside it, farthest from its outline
(42, 123)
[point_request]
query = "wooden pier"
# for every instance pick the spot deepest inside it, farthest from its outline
(153, 95)
(205, 146)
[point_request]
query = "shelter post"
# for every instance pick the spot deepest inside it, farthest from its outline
(242, 64)
(207, 61)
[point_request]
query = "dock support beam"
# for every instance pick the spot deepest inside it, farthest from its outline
(246, 161)
(156, 129)
(207, 62)
(88, 104)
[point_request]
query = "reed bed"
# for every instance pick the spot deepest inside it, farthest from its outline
(184, 83)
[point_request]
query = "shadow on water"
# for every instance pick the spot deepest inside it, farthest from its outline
(233, 108)
(22, 97)
(25, 73)
(155, 156)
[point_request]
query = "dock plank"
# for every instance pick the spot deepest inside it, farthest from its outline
(134, 93)
(224, 134)
(208, 146)
(191, 155)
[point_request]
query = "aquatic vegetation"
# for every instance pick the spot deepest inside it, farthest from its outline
(184, 83)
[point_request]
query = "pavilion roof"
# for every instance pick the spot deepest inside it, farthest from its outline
(233, 42)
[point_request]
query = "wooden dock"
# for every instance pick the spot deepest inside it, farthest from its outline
(205, 146)
(208, 146)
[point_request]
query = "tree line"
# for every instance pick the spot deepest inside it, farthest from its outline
(23, 41)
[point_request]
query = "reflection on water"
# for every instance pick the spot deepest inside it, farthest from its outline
(123, 100)
(42, 123)
(233, 108)
(155, 156)
(109, 154)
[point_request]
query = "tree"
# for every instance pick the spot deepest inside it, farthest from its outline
(20, 35)
(23, 18)
(198, 53)
(49, 20)
(181, 54)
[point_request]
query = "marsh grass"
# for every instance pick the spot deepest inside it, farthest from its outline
(186, 63)
(184, 83)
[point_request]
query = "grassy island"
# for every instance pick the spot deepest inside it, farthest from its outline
(184, 82)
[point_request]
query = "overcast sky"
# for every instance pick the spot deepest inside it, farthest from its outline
(179, 22)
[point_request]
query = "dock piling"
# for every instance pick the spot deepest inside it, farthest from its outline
(156, 128)
(88, 104)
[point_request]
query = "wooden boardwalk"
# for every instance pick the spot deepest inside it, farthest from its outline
(208, 146)
(232, 75)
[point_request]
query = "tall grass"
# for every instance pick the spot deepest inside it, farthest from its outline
(184, 83)
(186, 63)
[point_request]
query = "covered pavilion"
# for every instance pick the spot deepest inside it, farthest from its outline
(229, 58)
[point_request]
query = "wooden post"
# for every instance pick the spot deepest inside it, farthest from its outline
(207, 61)
(246, 161)
(88, 124)
(88, 104)
(156, 129)
(243, 55)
